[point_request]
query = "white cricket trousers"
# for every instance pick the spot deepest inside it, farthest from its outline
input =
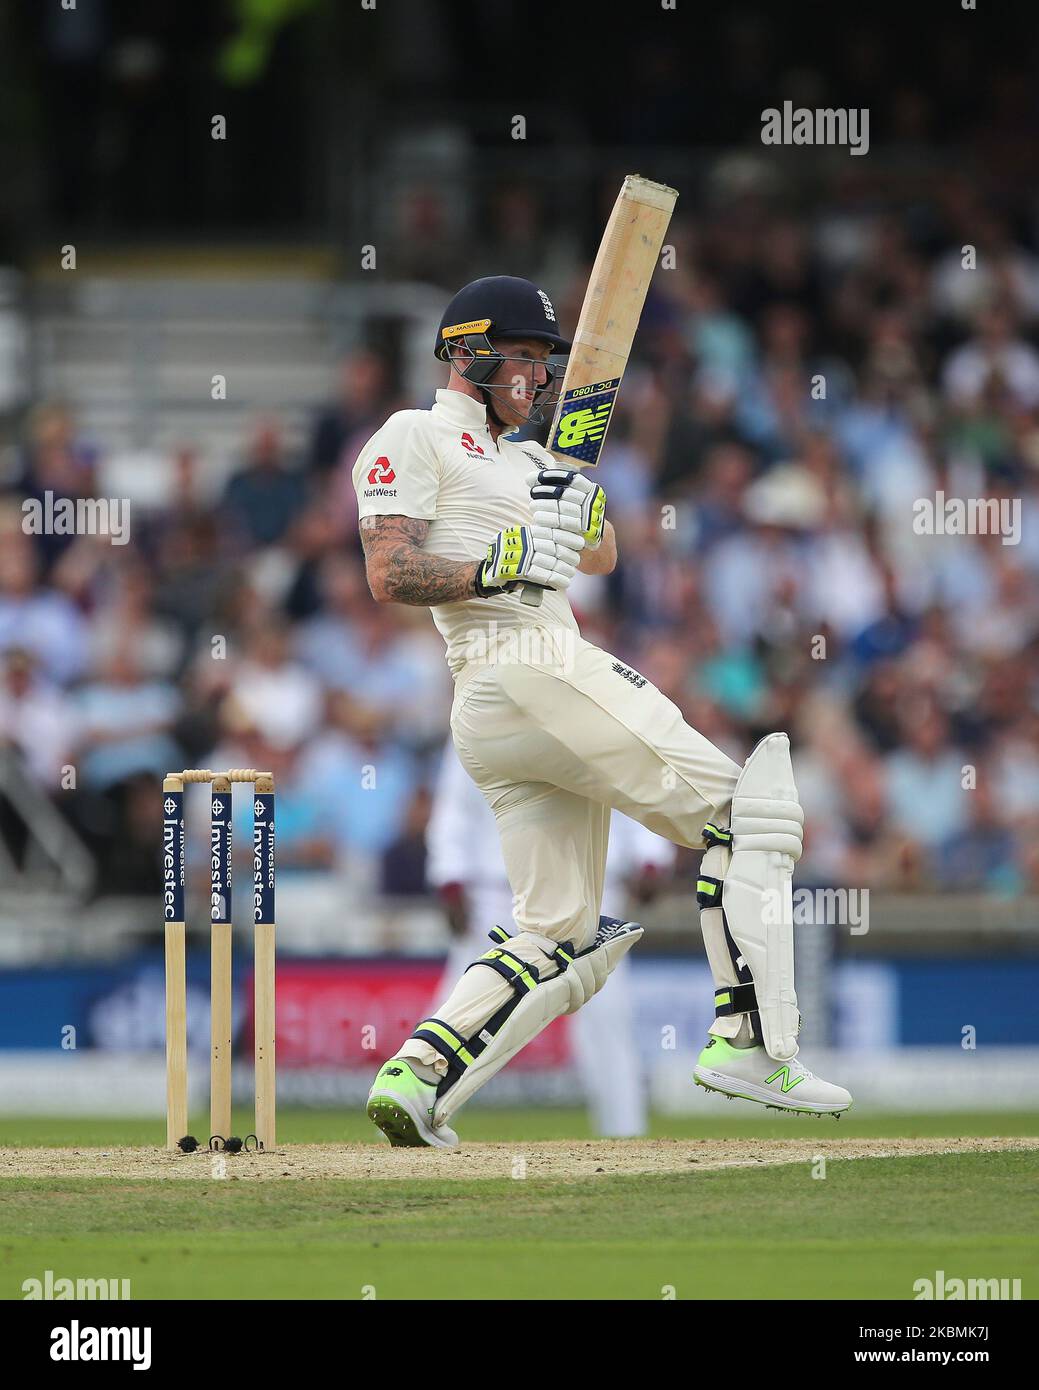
(554, 745)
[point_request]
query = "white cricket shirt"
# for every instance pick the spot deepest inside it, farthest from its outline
(442, 466)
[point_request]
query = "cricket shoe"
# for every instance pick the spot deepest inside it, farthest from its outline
(401, 1104)
(749, 1073)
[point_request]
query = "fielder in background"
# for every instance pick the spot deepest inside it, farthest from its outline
(464, 865)
(456, 516)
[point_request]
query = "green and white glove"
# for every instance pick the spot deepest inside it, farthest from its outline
(528, 554)
(566, 500)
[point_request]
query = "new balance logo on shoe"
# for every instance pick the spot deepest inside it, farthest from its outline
(787, 1082)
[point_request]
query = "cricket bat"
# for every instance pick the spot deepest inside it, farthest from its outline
(610, 314)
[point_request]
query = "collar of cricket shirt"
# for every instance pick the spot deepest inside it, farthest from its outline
(459, 409)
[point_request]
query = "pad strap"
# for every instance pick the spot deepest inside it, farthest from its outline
(563, 954)
(443, 1038)
(709, 891)
(715, 835)
(460, 1052)
(734, 999)
(515, 972)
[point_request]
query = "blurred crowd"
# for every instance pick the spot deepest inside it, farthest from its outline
(799, 385)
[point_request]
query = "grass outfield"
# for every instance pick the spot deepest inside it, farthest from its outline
(868, 1230)
(486, 1124)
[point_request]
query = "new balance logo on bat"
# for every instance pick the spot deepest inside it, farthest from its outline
(580, 426)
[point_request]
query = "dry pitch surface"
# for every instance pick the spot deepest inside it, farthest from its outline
(557, 1159)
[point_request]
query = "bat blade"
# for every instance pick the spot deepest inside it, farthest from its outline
(610, 315)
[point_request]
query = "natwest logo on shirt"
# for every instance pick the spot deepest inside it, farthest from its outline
(471, 447)
(381, 471)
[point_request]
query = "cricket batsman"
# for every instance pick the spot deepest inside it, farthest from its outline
(456, 516)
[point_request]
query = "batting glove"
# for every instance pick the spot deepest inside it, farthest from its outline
(521, 553)
(566, 500)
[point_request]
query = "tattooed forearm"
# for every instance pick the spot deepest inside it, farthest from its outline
(400, 572)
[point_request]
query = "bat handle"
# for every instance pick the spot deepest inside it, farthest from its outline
(531, 595)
